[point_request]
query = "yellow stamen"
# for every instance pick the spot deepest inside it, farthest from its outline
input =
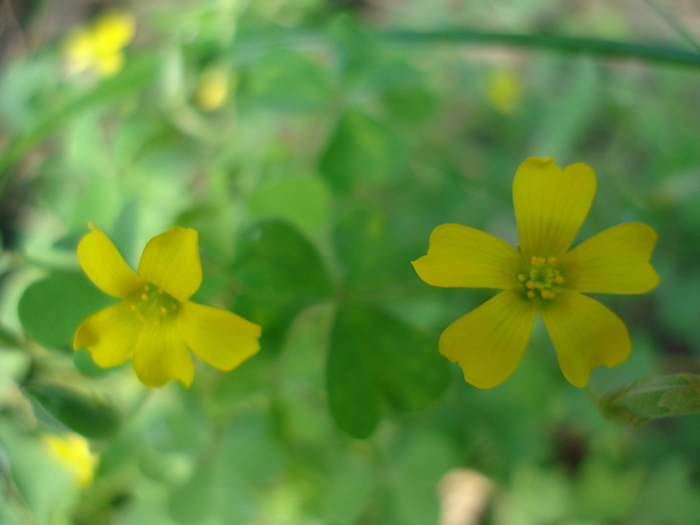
(531, 294)
(147, 288)
(558, 279)
(530, 284)
(163, 311)
(144, 296)
(521, 277)
(552, 260)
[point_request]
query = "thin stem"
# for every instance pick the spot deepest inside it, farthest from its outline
(561, 44)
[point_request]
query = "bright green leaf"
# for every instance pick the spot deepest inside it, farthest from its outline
(51, 309)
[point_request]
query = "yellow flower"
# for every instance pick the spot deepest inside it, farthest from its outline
(99, 46)
(542, 276)
(155, 322)
(74, 452)
(504, 90)
(212, 90)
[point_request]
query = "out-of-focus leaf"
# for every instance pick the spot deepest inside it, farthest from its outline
(303, 201)
(404, 93)
(51, 309)
(196, 499)
(371, 257)
(354, 393)
(653, 397)
(567, 116)
(125, 229)
(421, 459)
(362, 150)
(287, 80)
(280, 272)
(86, 415)
(372, 356)
(249, 447)
(348, 489)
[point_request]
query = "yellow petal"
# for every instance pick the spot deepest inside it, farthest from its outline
(550, 205)
(489, 342)
(161, 354)
(615, 260)
(113, 31)
(110, 335)
(219, 337)
(585, 335)
(463, 256)
(171, 262)
(104, 265)
(109, 64)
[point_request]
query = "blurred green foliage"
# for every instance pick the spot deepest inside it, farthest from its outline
(334, 151)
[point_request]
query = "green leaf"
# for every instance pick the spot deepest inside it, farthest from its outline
(52, 309)
(303, 201)
(369, 247)
(86, 415)
(362, 150)
(403, 90)
(280, 273)
(287, 80)
(653, 397)
(374, 356)
(353, 391)
(196, 499)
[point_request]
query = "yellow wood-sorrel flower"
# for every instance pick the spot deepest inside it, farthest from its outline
(99, 47)
(155, 322)
(542, 276)
(73, 451)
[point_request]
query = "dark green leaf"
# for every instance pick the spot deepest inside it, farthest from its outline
(86, 415)
(372, 356)
(362, 149)
(368, 249)
(353, 390)
(280, 272)
(52, 309)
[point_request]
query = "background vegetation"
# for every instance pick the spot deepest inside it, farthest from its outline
(314, 145)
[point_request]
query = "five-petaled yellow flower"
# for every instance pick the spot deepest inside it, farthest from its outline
(542, 276)
(156, 322)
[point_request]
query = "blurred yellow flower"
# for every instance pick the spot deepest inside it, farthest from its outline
(98, 47)
(212, 90)
(73, 451)
(504, 91)
(156, 322)
(542, 276)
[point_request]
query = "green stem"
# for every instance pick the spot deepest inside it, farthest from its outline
(561, 44)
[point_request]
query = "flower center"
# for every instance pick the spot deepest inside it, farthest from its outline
(543, 278)
(152, 304)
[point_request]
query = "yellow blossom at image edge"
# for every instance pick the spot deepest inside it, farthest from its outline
(156, 323)
(99, 46)
(73, 451)
(541, 277)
